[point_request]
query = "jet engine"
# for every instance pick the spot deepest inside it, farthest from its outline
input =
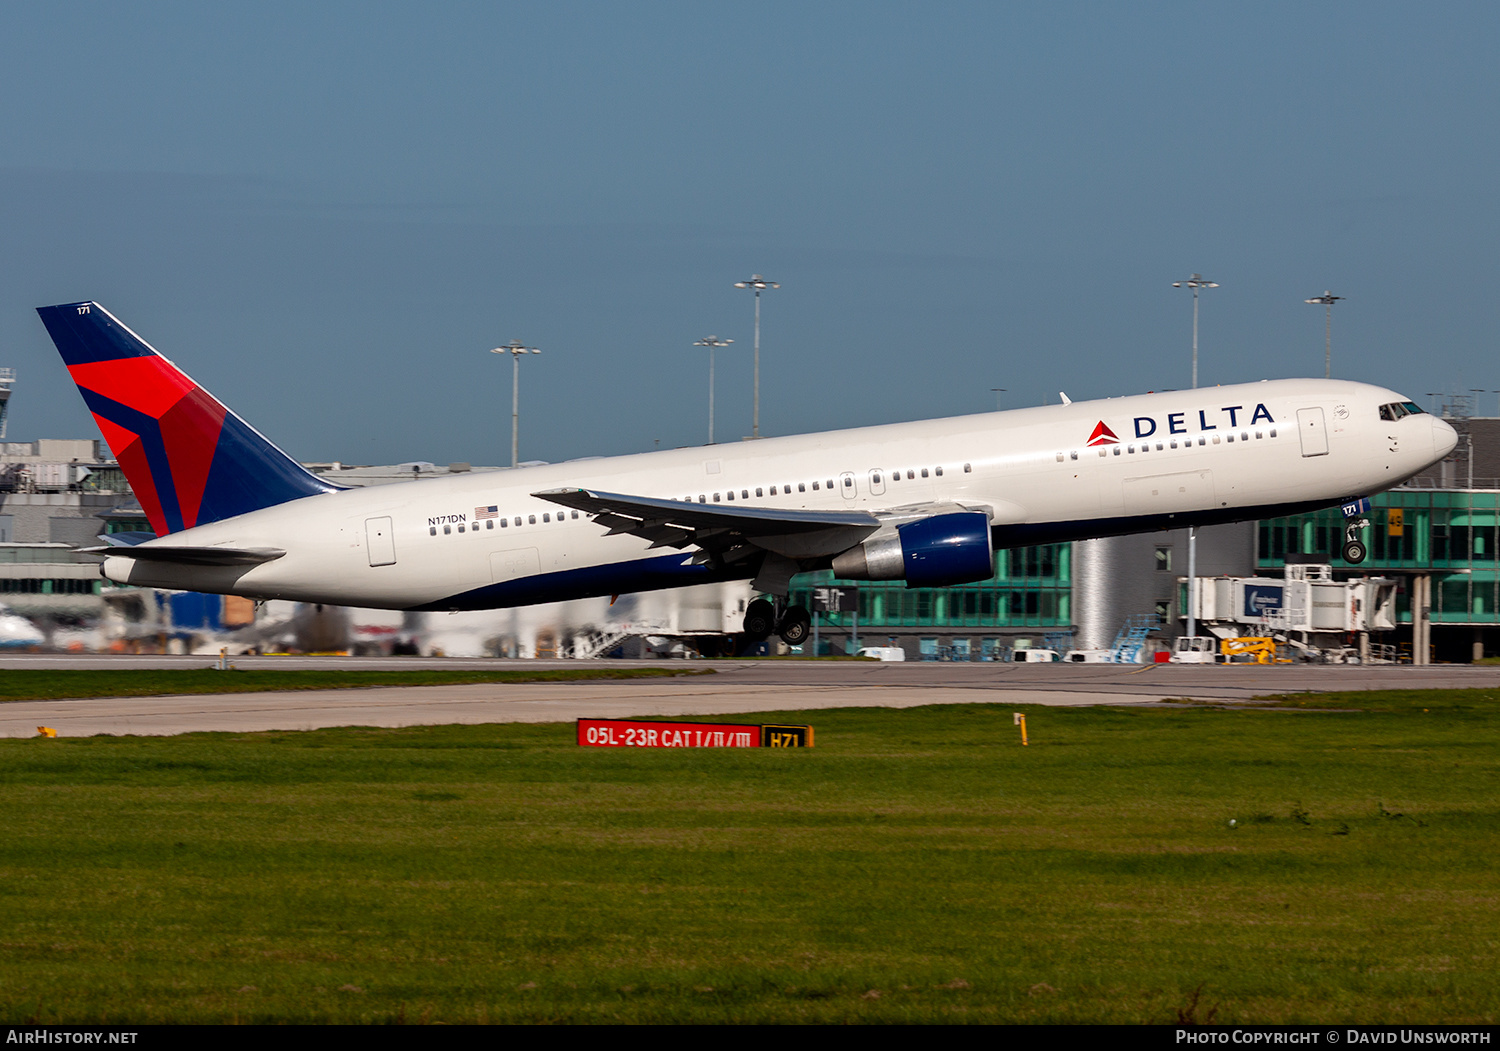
(931, 552)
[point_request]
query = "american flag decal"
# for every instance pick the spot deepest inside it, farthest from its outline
(481, 513)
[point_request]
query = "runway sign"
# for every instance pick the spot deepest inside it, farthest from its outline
(634, 733)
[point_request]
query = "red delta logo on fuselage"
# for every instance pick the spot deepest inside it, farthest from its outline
(1103, 435)
(1228, 416)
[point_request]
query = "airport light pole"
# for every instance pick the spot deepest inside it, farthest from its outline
(1327, 299)
(997, 391)
(712, 343)
(515, 348)
(1195, 282)
(757, 284)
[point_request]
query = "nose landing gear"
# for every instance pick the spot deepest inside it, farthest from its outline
(1354, 547)
(1354, 521)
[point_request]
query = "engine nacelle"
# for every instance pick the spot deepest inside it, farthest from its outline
(928, 553)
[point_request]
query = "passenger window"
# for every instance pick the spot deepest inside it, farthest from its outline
(447, 529)
(1117, 450)
(909, 475)
(504, 523)
(745, 494)
(815, 487)
(730, 494)
(1059, 457)
(924, 472)
(939, 472)
(546, 518)
(773, 490)
(716, 497)
(432, 530)
(531, 519)
(759, 494)
(490, 524)
(460, 527)
(801, 487)
(575, 514)
(968, 469)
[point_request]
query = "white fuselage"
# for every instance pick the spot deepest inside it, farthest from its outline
(1181, 458)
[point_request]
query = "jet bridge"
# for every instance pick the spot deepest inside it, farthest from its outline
(1306, 608)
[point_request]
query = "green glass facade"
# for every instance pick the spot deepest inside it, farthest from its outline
(1450, 534)
(1031, 588)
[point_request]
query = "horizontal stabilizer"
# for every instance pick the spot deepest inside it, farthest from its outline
(191, 556)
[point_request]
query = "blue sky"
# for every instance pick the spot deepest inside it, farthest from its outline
(327, 214)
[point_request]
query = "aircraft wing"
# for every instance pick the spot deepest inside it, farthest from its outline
(723, 531)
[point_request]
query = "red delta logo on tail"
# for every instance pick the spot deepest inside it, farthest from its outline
(1103, 435)
(188, 423)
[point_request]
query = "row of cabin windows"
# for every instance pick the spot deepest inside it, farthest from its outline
(489, 523)
(875, 478)
(1187, 443)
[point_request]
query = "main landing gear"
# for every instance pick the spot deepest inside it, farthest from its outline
(792, 623)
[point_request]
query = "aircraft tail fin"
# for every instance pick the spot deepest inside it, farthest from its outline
(189, 459)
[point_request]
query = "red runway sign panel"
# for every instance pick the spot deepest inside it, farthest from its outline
(629, 733)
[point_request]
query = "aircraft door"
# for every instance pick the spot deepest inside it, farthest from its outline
(380, 542)
(846, 485)
(1314, 433)
(877, 482)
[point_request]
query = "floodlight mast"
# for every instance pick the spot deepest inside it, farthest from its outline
(1327, 299)
(757, 284)
(515, 348)
(1195, 282)
(712, 343)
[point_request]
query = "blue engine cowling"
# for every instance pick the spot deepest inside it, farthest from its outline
(930, 552)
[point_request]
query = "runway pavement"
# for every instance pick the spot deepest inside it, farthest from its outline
(736, 687)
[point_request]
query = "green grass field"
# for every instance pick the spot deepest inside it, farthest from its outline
(917, 865)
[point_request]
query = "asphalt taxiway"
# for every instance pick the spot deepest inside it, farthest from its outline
(734, 688)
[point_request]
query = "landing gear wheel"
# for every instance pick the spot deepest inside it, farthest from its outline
(760, 620)
(1354, 552)
(795, 625)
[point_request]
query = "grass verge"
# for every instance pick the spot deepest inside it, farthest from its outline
(1131, 865)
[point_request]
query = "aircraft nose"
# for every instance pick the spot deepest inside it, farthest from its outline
(1444, 438)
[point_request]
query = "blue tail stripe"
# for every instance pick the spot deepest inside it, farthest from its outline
(249, 473)
(90, 336)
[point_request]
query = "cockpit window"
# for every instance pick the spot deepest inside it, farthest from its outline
(1397, 409)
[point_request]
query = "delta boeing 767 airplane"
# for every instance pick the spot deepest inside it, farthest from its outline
(926, 503)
